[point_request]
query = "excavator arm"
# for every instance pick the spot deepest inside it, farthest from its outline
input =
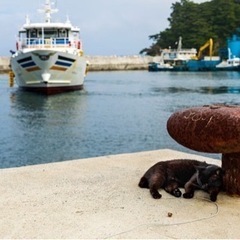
(209, 44)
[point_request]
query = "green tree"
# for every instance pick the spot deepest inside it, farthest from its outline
(196, 23)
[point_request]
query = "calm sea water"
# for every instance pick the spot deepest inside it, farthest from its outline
(117, 112)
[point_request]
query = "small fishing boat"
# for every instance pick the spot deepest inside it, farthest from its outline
(159, 66)
(49, 56)
(173, 59)
(230, 64)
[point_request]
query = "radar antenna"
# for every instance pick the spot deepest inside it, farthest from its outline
(48, 10)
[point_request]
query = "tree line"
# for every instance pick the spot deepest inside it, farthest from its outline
(196, 23)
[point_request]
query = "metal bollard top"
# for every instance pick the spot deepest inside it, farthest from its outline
(210, 128)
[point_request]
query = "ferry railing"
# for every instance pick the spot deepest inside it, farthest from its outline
(48, 43)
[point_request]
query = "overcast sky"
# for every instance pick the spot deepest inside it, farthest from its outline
(108, 27)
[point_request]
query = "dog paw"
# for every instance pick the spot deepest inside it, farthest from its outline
(177, 193)
(155, 194)
(188, 195)
(213, 198)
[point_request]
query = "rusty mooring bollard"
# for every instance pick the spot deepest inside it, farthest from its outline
(212, 129)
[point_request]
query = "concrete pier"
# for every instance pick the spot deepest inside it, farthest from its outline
(98, 198)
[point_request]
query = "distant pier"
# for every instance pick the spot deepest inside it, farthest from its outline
(114, 63)
(4, 64)
(103, 63)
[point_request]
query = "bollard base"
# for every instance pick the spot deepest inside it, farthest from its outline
(231, 165)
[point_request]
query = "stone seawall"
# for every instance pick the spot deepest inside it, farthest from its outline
(104, 63)
(113, 63)
(4, 64)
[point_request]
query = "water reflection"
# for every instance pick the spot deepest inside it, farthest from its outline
(203, 90)
(218, 75)
(220, 90)
(28, 107)
(39, 122)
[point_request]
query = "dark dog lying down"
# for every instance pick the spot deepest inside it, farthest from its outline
(190, 174)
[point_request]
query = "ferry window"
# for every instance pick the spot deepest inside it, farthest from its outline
(48, 33)
(40, 33)
(33, 33)
(76, 35)
(23, 35)
(63, 33)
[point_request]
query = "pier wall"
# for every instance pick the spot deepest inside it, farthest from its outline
(113, 63)
(4, 64)
(104, 63)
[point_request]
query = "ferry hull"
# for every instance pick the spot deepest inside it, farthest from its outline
(49, 71)
(52, 90)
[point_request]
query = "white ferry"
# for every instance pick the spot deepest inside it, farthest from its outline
(173, 59)
(49, 55)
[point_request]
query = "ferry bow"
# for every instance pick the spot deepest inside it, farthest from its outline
(49, 55)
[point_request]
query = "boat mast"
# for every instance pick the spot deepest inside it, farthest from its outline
(179, 44)
(48, 10)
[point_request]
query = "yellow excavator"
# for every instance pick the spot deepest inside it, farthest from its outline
(209, 44)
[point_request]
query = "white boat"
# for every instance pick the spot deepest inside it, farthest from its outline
(49, 55)
(229, 64)
(172, 55)
(232, 63)
(159, 66)
(169, 58)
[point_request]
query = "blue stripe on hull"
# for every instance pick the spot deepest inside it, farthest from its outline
(24, 59)
(66, 59)
(29, 64)
(63, 63)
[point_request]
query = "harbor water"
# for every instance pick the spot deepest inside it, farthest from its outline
(117, 112)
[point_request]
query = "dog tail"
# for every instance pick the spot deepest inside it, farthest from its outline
(143, 183)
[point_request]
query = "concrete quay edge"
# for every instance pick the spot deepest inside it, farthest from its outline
(98, 198)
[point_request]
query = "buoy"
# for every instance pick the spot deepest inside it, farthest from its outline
(80, 52)
(79, 45)
(87, 68)
(11, 78)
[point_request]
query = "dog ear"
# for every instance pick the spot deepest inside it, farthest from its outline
(200, 168)
(220, 172)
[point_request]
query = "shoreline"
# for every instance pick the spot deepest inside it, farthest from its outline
(103, 63)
